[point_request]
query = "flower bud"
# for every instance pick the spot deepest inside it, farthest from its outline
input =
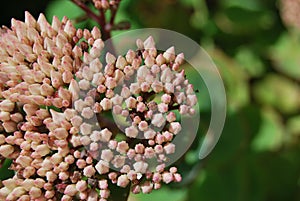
(123, 181)
(131, 132)
(70, 190)
(35, 192)
(6, 150)
(102, 167)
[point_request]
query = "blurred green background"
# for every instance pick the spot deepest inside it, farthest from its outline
(256, 47)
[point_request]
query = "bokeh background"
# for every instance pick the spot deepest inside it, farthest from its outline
(256, 47)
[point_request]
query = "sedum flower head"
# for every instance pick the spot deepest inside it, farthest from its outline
(74, 124)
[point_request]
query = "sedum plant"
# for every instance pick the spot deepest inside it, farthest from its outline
(79, 123)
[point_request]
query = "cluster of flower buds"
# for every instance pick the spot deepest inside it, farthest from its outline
(105, 4)
(56, 102)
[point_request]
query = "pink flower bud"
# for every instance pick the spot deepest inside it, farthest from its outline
(85, 128)
(95, 136)
(141, 107)
(84, 84)
(85, 140)
(121, 62)
(130, 55)
(16, 193)
(149, 61)
(102, 167)
(7, 106)
(123, 181)
(67, 77)
(131, 132)
(162, 107)
(106, 104)
(157, 86)
(157, 186)
(2, 139)
(81, 163)
(179, 59)
(117, 100)
(87, 113)
(89, 171)
(105, 135)
(104, 194)
(47, 90)
(110, 83)
(60, 133)
(63, 176)
(159, 139)
(18, 117)
(71, 190)
(6, 150)
(125, 93)
(156, 178)
(35, 192)
(24, 161)
(169, 148)
(81, 186)
(158, 120)
(140, 167)
(149, 152)
(167, 177)
(183, 109)
(145, 87)
(117, 109)
(149, 134)
(74, 89)
(175, 127)
(136, 189)
(51, 176)
(66, 198)
(171, 117)
(56, 158)
(135, 88)
(143, 126)
(118, 161)
(131, 153)
(147, 187)
(49, 194)
(94, 146)
(191, 100)
(122, 147)
(103, 184)
(149, 43)
(166, 75)
(110, 59)
(169, 54)
(177, 177)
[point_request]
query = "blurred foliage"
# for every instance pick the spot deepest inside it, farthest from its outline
(257, 157)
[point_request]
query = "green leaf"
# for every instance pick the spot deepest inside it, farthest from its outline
(250, 62)
(279, 92)
(235, 79)
(5, 173)
(239, 130)
(271, 133)
(285, 55)
(293, 125)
